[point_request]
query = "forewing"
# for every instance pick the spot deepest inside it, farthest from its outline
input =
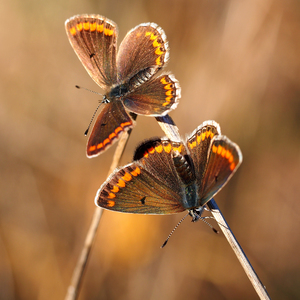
(112, 121)
(94, 40)
(199, 143)
(224, 159)
(155, 97)
(142, 53)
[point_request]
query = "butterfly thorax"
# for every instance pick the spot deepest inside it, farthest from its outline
(117, 91)
(129, 85)
(185, 171)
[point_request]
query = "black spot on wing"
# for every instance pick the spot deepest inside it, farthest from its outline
(143, 200)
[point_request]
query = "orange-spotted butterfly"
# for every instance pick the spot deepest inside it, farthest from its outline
(170, 177)
(127, 76)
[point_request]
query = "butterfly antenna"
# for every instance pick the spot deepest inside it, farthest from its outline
(165, 243)
(100, 102)
(209, 217)
(213, 229)
(93, 116)
(83, 88)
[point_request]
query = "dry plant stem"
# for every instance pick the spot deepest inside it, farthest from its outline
(169, 128)
(257, 284)
(171, 131)
(77, 276)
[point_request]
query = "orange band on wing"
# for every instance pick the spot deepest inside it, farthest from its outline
(110, 203)
(100, 28)
(168, 148)
(136, 172)
(219, 150)
(200, 138)
(157, 46)
(108, 141)
(159, 148)
(121, 183)
(73, 31)
(170, 91)
(87, 26)
(127, 177)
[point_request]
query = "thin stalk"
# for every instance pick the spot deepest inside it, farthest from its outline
(241, 256)
(74, 287)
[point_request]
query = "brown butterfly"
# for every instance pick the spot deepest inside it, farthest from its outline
(127, 76)
(170, 177)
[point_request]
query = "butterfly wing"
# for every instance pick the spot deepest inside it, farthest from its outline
(149, 185)
(224, 159)
(142, 53)
(94, 40)
(198, 144)
(215, 159)
(112, 121)
(155, 97)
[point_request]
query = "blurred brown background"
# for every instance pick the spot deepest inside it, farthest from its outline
(237, 63)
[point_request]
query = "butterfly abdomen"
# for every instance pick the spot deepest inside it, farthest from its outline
(183, 168)
(187, 176)
(120, 90)
(141, 77)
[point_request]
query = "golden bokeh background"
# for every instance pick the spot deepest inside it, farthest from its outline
(238, 63)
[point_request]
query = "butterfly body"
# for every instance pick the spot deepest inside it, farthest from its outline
(117, 92)
(128, 77)
(184, 168)
(168, 177)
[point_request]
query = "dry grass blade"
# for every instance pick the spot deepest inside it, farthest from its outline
(77, 276)
(257, 284)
